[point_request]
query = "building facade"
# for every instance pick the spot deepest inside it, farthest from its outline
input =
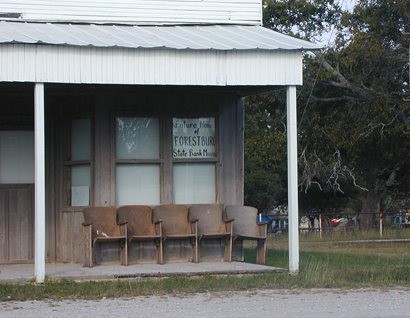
(128, 102)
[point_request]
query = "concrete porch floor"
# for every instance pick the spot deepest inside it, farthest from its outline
(21, 273)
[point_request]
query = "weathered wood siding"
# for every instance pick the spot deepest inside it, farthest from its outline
(104, 104)
(63, 224)
(88, 65)
(137, 11)
(17, 223)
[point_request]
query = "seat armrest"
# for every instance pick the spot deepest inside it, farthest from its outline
(229, 225)
(123, 229)
(86, 224)
(194, 227)
(122, 223)
(263, 228)
(158, 224)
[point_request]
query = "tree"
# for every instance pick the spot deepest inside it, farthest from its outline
(359, 107)
(265, 121)
(265, 150)
(353, 110)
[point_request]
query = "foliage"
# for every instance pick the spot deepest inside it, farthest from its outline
(303, 18)
(359, 107)
(353, 109)
(265, 122)
(265, 150)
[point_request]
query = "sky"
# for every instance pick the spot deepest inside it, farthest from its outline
(328, 37)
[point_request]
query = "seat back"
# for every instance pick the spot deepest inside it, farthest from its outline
(209, 218)
(103, 220)
(138, 218)
(245, 220)
(174, 219)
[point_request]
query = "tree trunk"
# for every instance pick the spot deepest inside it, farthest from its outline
(370, 204)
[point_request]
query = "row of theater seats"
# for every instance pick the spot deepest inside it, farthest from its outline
(195, 223)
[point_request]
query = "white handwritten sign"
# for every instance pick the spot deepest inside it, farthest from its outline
(194, 137)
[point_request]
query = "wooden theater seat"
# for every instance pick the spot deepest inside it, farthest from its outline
(176, 226)
(211, 225)
(140, 227)
(245, 228)
(101, 226)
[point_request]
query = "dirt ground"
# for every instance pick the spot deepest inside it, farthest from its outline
(255, 303)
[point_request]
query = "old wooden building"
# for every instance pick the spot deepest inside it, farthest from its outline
(107, 103)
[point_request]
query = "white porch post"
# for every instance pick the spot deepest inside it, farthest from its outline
(39, 192)
(293, 208)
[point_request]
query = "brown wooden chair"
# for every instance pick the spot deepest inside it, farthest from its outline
(246, 228)
(100, 224)
(176, 226)
(140, 227)
(211, 225)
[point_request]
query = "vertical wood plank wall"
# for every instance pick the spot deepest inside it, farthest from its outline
(64, 233)
(17, 223)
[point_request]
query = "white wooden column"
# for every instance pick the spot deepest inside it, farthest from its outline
(39, 192)
(293, 208)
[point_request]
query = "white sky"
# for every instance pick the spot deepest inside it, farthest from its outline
(328, 38)
(347, 4)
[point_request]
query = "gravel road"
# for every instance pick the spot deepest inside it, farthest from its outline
(255, 303)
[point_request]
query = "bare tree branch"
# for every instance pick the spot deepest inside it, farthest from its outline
(333, 99)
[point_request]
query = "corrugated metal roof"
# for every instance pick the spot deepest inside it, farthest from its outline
(195, 37)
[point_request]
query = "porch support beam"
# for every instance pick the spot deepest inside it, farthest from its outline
(39, 192)
(293, 208)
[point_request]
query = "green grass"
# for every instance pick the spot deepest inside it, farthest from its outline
(322, 265)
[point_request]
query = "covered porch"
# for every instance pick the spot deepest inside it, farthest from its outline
(86, 81)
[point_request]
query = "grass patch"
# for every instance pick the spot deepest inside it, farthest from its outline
(324, 265)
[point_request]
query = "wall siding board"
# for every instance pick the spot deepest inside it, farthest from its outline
(21, 223)
(138, 11)
(239, 154)
(4, 231)
(89, 65)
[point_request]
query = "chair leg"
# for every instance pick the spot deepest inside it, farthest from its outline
(195, 256)
(88, 247)
(160, 252)
(124, 253)
(261, 252)
(228, 250)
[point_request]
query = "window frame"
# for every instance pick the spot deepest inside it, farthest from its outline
(166, 160)
(215, 160)
(67, 163)
(115, 161)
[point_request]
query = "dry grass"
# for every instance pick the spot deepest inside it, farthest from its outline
(323, 264)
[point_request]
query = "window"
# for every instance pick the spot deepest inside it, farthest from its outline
(194, 160)
(138, 160)
(16, 157)
(77, 164)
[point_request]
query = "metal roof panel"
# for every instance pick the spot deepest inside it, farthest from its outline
(194, 37)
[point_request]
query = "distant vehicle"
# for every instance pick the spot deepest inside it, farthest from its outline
(276, 218)
(338, 220)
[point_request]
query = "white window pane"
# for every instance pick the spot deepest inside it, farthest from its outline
(16, 157)
(137, 138)
(80, 185)
(81, 139)
(194, 183)
(138, 184)
(80, 175)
